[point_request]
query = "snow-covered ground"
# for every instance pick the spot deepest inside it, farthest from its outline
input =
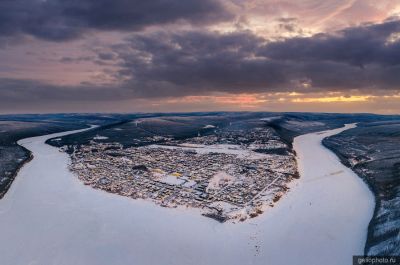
(49, 217)
(217, 180)
(99, 137)
(229, 149)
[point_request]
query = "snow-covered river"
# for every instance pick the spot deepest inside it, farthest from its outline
(49, 217)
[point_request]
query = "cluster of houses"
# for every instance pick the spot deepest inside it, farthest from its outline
(224, 177)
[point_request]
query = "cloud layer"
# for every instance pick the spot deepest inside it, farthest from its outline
(364, 58)
(59, 20)
(149, 51)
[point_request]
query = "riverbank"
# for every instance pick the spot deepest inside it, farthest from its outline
(15, 171)
(371, 151)
(13, 156)
(50, 217)
(324, 218)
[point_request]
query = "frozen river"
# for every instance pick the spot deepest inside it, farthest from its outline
(48, 217)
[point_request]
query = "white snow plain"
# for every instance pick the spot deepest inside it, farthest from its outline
(48, 217)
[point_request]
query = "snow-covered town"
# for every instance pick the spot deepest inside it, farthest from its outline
(226, 180)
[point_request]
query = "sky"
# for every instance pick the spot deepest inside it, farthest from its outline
(199, 55)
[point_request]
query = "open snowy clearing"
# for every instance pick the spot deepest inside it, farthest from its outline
(216, 148)
(49, 217)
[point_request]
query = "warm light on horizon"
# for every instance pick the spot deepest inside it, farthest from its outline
(332, 99)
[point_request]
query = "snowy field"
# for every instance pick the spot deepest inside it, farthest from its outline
(229, 149)
(49, 217)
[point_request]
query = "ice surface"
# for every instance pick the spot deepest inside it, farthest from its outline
(49, 217)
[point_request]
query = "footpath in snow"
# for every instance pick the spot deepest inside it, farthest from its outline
(49, 217)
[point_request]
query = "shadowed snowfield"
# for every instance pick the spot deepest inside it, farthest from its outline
(49, 217)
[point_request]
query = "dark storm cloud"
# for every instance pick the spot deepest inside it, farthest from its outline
(192, 62)
(59, 20)
(357, 46)
(187, 63)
